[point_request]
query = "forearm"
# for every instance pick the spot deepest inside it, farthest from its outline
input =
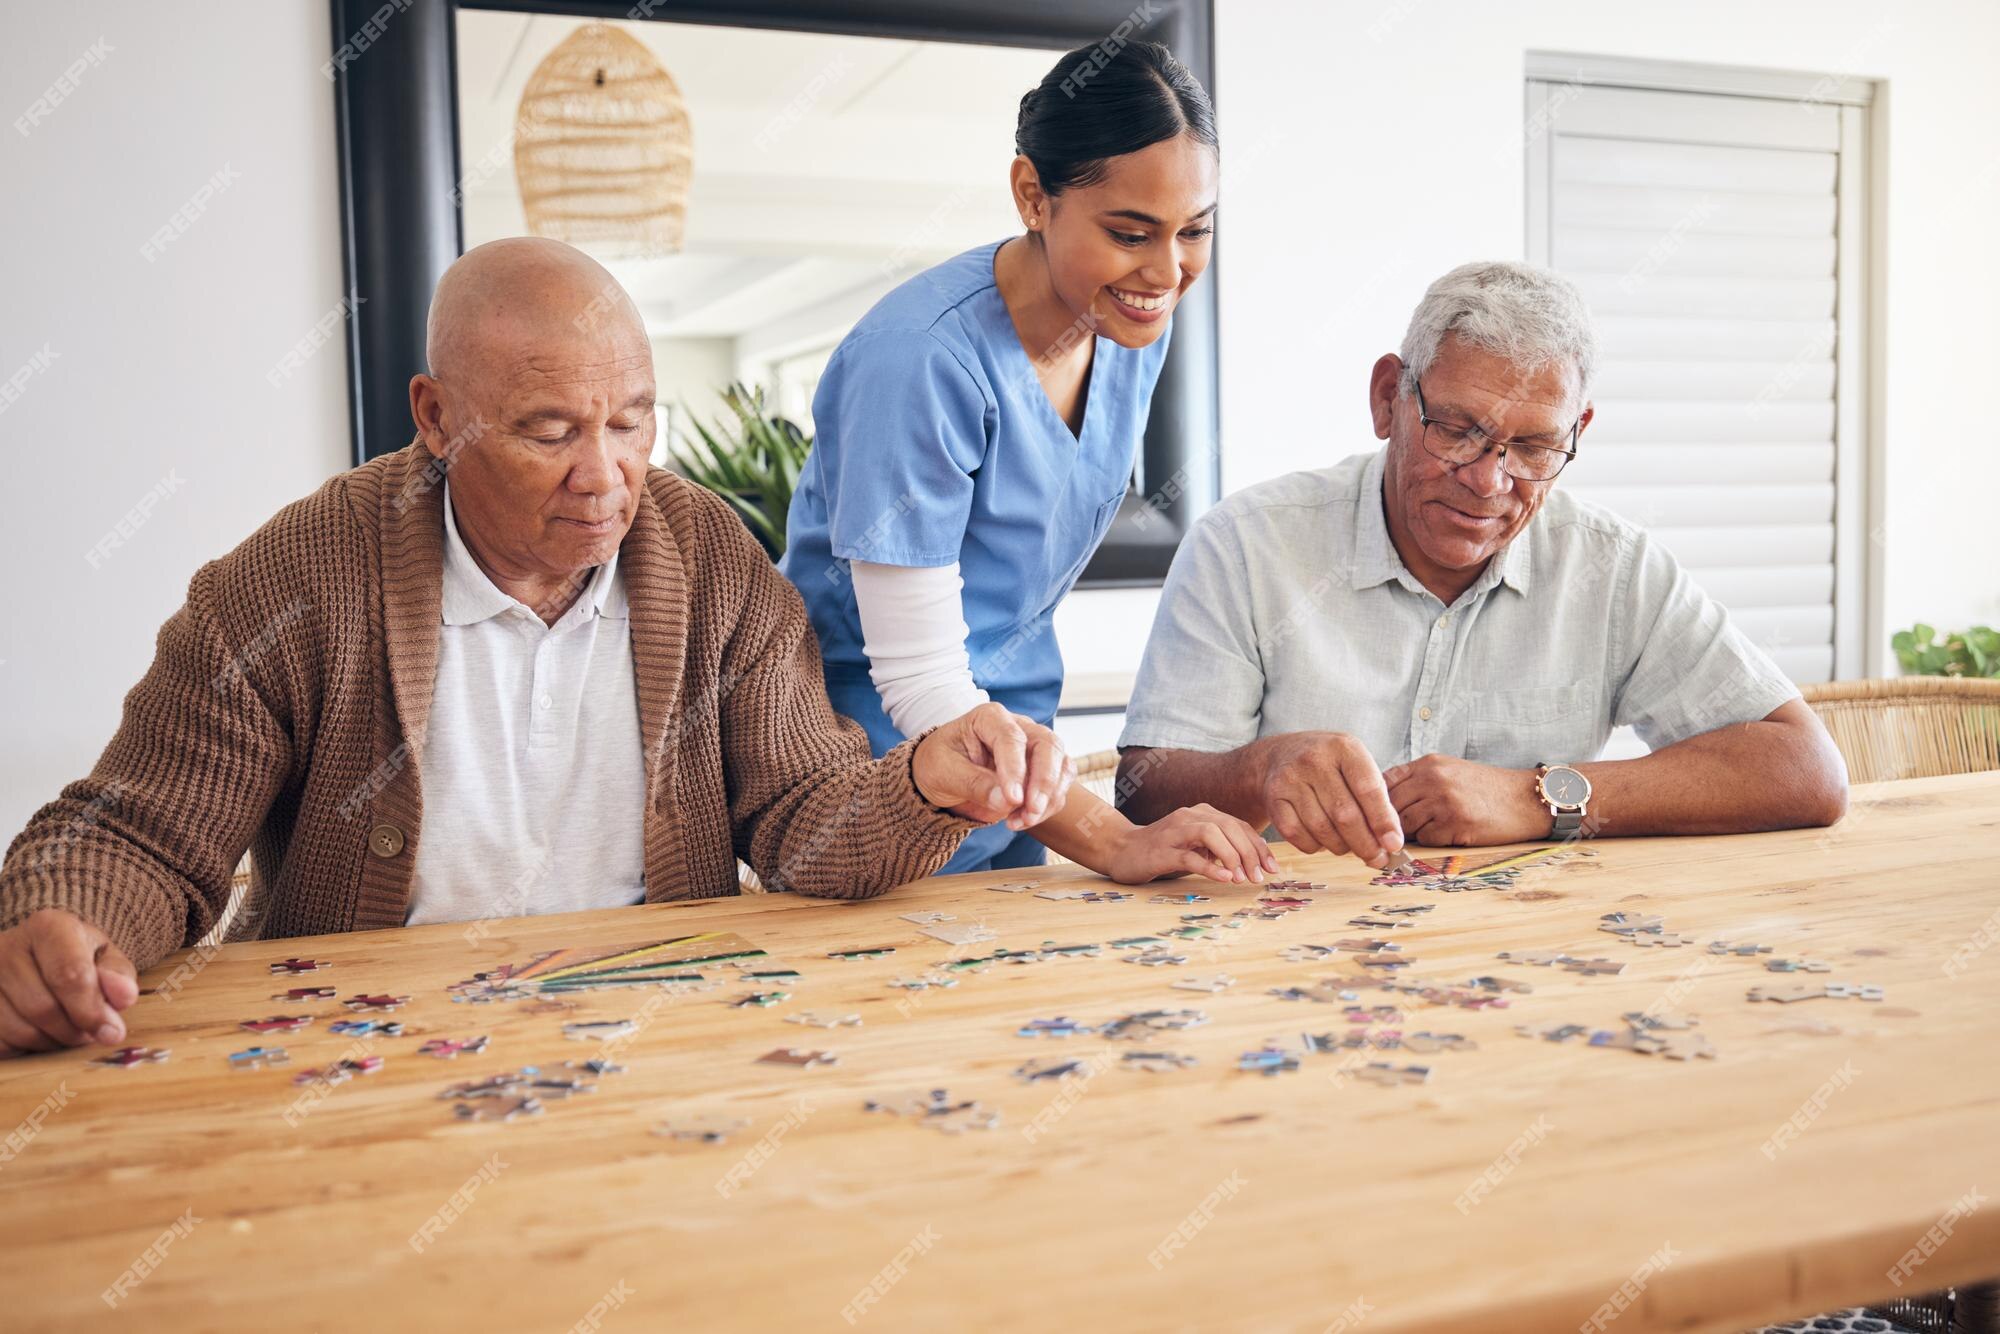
(847, 827)
(69, 858)
(1087, 830)
(1152, 782)
(1781, 772)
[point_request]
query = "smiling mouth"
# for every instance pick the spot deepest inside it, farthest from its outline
(1139, 300)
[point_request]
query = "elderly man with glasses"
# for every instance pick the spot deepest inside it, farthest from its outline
(1430, 643)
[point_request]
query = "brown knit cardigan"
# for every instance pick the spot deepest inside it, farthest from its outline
(285, 708)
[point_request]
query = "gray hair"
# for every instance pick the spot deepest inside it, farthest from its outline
(1530, 316)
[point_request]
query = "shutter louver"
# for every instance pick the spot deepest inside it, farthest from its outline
(1702, 230)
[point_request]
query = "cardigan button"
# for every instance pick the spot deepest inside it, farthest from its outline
(385, 840)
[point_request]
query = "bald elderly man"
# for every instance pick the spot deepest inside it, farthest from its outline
(507, 670)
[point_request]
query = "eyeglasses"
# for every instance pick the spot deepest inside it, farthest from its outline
(1459, 444)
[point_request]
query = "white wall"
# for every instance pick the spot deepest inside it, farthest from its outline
(693, 371)
(156, 370)
(1368, 147)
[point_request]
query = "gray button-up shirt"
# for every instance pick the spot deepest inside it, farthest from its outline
(1288, 610)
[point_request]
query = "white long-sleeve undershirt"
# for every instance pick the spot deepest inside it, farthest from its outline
(913, 631)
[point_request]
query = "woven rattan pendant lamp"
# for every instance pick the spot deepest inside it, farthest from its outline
(602, 146)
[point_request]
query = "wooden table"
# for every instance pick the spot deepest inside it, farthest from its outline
(1200, 1199)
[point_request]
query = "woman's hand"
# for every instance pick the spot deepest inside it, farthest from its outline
(990, 765)
(1194, 840)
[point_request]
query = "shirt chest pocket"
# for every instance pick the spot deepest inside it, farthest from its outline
(1518, 729)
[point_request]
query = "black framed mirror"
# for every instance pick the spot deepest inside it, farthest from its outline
(395, 70)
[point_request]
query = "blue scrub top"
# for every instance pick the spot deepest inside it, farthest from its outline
(935, 442)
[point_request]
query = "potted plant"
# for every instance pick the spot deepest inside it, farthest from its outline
(751, 459)
(1974, 652)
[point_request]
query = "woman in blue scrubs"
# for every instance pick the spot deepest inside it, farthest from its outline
(976, 430)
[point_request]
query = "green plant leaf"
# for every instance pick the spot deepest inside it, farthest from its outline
(748, 456)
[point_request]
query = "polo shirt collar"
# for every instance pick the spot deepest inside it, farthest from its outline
(1374, 560)
(471, 597)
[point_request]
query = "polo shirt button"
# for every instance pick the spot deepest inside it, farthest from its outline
(385, 840)
(1424, 714)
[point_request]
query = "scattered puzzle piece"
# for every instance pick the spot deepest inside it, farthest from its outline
(503, 1110)
(596, 1065)
(705, 1128)
(257, 1058)
(127, 1057)
(340, 1071)
(1131, 1025)
(1626, 923)
(1429, 1042)
(922, 983)
(938, 1110)
(277, 1023)
(299, 965)
(1268, 1061)
(1035, 1071)
(1390, 1076)
(806, 1060)
(819, 1020)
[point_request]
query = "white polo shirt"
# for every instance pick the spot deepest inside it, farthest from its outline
(533, 775)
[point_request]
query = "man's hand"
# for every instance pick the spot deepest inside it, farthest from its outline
(1325, 794)
(1194, 840)
(991, 765)
(1447, 802)
(62, 984)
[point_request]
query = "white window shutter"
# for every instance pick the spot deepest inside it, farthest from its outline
(1706, 233)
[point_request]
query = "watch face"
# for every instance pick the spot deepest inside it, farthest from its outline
(1565, 787)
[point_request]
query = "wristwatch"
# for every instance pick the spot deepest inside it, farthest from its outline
(1564, 791)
